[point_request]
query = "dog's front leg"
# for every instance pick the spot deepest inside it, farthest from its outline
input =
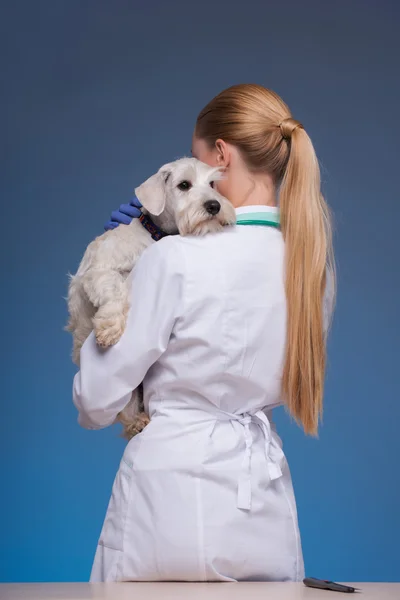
(108, 292)
(133, 418)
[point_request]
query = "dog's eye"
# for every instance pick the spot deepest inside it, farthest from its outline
(212, 184)
(184, 186)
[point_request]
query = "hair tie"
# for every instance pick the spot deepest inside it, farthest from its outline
(287, 126)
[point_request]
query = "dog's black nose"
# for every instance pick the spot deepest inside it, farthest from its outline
(212, 207)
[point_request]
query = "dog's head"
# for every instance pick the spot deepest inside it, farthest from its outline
(181, 198)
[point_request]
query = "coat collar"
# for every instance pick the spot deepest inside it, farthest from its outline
(258, 215)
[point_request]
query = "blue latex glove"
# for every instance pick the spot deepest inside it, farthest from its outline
(124, 214)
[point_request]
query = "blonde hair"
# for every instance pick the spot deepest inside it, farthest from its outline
(259, 124)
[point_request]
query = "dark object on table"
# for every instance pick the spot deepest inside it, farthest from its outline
(321, 584)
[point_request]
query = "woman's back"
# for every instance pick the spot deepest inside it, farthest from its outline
(227, 345)
(206, 485)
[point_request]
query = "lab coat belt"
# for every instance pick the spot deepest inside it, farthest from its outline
(273, 453)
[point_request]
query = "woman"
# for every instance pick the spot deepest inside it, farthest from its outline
(222, 330)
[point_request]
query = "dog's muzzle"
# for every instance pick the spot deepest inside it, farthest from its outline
(212, 207)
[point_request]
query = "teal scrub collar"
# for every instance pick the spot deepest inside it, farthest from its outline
(265, 216)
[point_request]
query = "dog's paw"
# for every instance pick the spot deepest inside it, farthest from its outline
(134, 426)
(141, 421)
(109, 331)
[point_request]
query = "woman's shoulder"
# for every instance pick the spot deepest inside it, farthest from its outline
(166, 253)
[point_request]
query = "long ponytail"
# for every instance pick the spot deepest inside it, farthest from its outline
(305, 223)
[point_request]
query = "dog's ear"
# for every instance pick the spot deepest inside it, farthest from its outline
(152, 193)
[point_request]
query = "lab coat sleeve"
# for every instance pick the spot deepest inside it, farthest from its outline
(104, 384)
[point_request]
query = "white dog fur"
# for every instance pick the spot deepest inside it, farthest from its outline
(180, 198)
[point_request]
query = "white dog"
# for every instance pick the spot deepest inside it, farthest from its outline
(180, 198)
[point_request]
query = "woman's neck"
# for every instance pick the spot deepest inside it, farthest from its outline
(253, 190)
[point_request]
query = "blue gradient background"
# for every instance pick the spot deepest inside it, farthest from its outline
(96, 95)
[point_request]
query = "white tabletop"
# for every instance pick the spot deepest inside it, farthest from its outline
(186, 591)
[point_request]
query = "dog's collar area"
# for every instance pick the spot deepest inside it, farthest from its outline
(155, 232)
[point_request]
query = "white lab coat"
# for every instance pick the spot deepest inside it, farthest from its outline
(204, 493)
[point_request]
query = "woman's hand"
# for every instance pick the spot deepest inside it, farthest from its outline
(124, 215)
